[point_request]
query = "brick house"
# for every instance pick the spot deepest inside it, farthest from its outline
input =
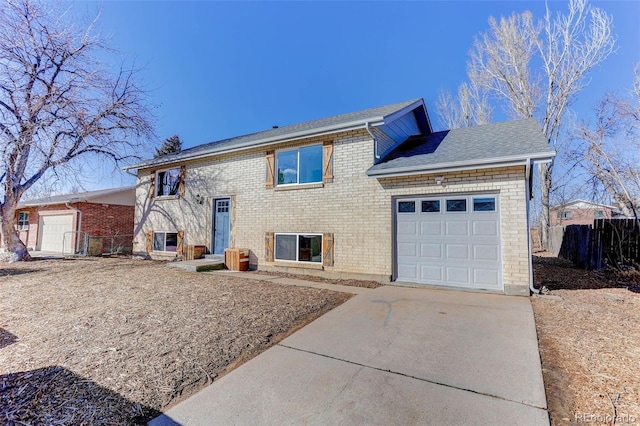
(373, 194)
(579, 212)
(60, 223)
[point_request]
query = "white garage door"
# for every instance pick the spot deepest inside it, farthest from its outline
(450, 241)
(52, 232)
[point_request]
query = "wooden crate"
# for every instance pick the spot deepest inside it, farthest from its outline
(236, 259)
(195, 252)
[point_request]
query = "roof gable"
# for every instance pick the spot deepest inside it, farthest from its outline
(471, 147)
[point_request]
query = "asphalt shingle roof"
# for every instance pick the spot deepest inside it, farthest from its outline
(489, 143)
(281, 133)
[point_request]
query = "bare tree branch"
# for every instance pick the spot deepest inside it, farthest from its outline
(58, 103)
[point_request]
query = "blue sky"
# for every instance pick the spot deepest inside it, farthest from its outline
(222, 69)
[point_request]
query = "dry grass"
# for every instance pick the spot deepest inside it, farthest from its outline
(589, 344)
(115, 341)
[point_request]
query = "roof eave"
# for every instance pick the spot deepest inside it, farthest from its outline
(355, 125)
(462, 165)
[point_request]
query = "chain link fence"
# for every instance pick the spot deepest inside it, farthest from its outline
(83, 244)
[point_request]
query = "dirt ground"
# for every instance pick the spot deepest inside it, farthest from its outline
(115, 341)
(589, 336)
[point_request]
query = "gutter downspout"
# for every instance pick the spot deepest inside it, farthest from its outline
(367, 126)
(527, 174)
(78, 225)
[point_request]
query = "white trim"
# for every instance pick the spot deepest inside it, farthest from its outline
(297, 234)
(459, 166)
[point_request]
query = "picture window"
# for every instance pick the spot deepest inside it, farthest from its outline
(299, 166)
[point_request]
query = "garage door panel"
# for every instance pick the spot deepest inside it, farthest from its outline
(458, 251)
(458, 275)
(407, 249)
(408, 271)
(485, 228)
(431, 274)
(485, 252)
(431, 228)
(431, 251)
(407, 228)
(486, 278)
(457, 228)
(450, 248)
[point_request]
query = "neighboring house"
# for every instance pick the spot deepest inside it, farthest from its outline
(579, 212)
(59, 223)
(374, 194)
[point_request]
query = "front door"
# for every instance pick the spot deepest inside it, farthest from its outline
(221, 225)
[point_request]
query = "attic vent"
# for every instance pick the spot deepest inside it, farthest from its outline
(276, 127)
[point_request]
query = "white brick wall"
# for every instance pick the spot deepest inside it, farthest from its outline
(356, 208)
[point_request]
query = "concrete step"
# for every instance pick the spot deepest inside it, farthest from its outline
(198, 265)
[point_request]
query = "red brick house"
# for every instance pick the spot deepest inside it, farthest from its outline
(65, 223)
(579, 212)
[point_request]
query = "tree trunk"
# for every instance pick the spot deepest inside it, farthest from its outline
(10, 238)
(545, 184)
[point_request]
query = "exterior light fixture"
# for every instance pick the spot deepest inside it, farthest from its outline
(439, 180)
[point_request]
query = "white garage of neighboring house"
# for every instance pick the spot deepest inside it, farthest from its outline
(62, 223)
(56, 232)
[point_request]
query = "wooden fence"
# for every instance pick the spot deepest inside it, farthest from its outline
(606, 242)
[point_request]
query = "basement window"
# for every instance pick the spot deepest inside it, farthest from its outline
(165, 241)
(23, 221)
(298, 247)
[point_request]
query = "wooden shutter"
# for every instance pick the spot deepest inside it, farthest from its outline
(152, 182)
(327, 249)
(269, 238)
(327, 162)
(183, 174)
(149, 241)
(179, 249)
(270, 170)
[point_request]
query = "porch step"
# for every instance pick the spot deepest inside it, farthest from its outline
(219, 257)
(198, 265)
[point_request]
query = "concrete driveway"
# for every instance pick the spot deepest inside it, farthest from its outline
(393, 355)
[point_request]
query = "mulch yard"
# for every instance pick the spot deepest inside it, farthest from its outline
(116, 341)
(589, 336)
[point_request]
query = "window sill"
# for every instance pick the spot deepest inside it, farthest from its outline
(300, 265)
(301, 186)
(166, 197)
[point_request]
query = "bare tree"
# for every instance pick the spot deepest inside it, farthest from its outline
(59, 106)
(471, 108)
(610, 148)
(504, 61)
